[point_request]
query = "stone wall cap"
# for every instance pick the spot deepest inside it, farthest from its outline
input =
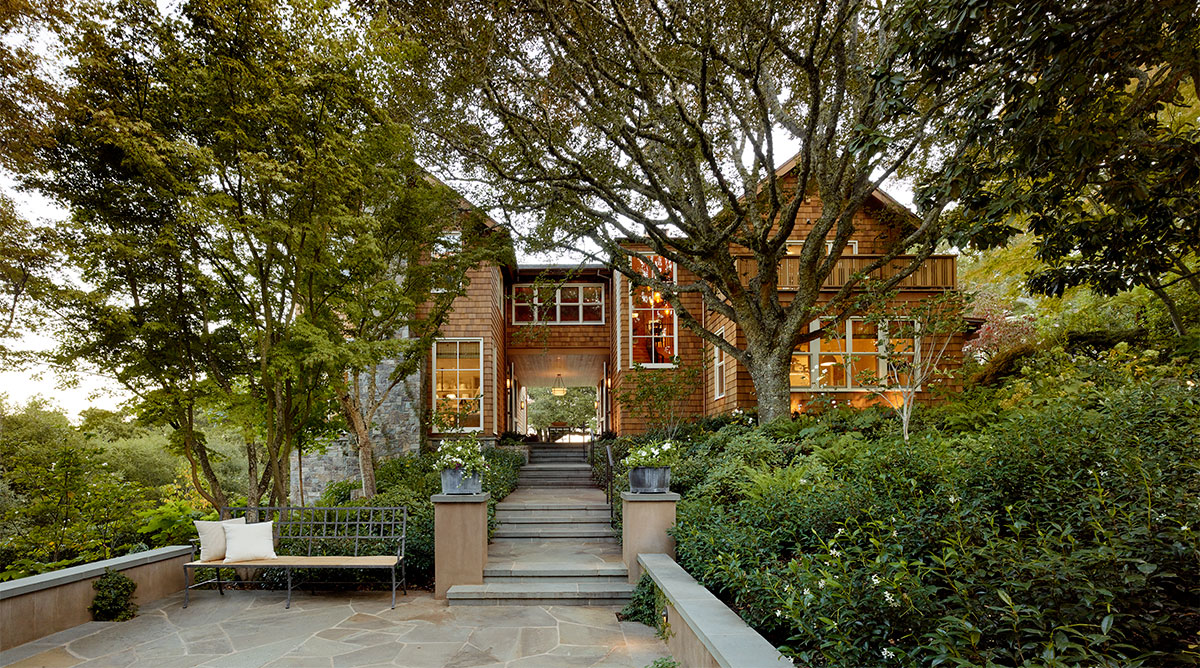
(64, 576)
(728, 638)
(461, 498)
(633, 496)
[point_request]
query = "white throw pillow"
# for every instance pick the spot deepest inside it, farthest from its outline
(246, 542)
(212, 538)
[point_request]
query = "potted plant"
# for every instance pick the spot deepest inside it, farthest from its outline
(462, 465)
(650, 467)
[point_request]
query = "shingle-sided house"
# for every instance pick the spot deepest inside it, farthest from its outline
(523, 326)
(527, 326)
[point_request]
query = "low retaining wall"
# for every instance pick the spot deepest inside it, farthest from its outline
(36, 606)
(704, 632)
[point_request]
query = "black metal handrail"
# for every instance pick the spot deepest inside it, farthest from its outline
(612, 504)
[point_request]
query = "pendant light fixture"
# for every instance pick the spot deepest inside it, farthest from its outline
(559, 390)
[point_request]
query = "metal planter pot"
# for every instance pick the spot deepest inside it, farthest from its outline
(650, 479)
(453, 482)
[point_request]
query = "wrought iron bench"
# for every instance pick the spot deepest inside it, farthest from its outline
(301, 531)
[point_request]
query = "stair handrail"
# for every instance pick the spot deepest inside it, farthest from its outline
(612, 505)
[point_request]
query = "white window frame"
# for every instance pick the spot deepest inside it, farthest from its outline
(558, 305)
(459, 367)
(674, 328)
(814, 355)
(852, 245)
(719, 362)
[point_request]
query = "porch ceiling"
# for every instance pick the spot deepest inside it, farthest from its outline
(540, 368)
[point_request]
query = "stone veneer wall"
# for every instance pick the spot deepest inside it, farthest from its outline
(395, 430)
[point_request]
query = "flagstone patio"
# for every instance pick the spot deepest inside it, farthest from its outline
(344, 630)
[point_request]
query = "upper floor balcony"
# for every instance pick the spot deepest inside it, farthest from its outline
(935, 273)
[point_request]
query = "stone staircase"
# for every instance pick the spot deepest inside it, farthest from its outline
(553, 546)
(560, 466)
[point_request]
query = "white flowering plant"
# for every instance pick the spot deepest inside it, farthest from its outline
(461, 454)
(653, 454)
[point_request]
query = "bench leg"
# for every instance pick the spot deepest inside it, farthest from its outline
(404, 576)
(187, 588)
(220, 589)
(393, 570)
(288, 604)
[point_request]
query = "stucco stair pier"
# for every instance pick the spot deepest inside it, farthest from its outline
(552, 546)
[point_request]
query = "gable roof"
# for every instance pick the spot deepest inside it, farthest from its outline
(882, 198)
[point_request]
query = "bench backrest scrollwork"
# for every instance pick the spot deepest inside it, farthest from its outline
(317, 526)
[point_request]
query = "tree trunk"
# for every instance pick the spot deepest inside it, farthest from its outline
(253, 490)
(769, 367)
(1172, 308)
(352, 410)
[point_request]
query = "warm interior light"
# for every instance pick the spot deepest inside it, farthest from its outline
(558, 390)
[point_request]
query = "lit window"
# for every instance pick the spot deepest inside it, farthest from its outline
(719, 366)
(794, 247)
(653, 331)
(458, 381)
(856, 355)
(570, 304)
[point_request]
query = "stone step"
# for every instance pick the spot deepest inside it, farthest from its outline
(541, 593)
(608, 540)
(582, 468)
(533, 506)
(558, 571)
(576, 531)
(550, 483)
(555, 529)
(551, 516)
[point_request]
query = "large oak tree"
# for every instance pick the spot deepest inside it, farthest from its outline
(662, 124)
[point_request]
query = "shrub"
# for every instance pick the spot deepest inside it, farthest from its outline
(114, 597)
(1058, 531)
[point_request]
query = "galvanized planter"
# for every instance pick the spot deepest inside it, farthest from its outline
(453, 482)
(650, 479)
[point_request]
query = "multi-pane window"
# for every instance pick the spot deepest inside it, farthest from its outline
(570, 304)
(653, 330)
(719, 364)
(855, 355)
(458, 381)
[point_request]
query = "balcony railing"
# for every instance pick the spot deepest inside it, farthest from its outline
(935, 273)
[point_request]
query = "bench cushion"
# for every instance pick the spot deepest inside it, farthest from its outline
(284, 560)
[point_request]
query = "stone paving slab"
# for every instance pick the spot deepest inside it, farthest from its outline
(245, 629)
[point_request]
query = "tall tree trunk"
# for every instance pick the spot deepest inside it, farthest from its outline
(769, 365)
(253, 489)
(1172, 308)
(352, 410)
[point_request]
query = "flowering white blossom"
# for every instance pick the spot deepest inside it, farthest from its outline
(778, 613)
(887, 653)
(821, 583)
(1185, 528)
(954, 499)
(833, 552)
(875, 580)
(807, 591)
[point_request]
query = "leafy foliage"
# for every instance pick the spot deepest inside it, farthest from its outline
(114, 598)
(1049, 521)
